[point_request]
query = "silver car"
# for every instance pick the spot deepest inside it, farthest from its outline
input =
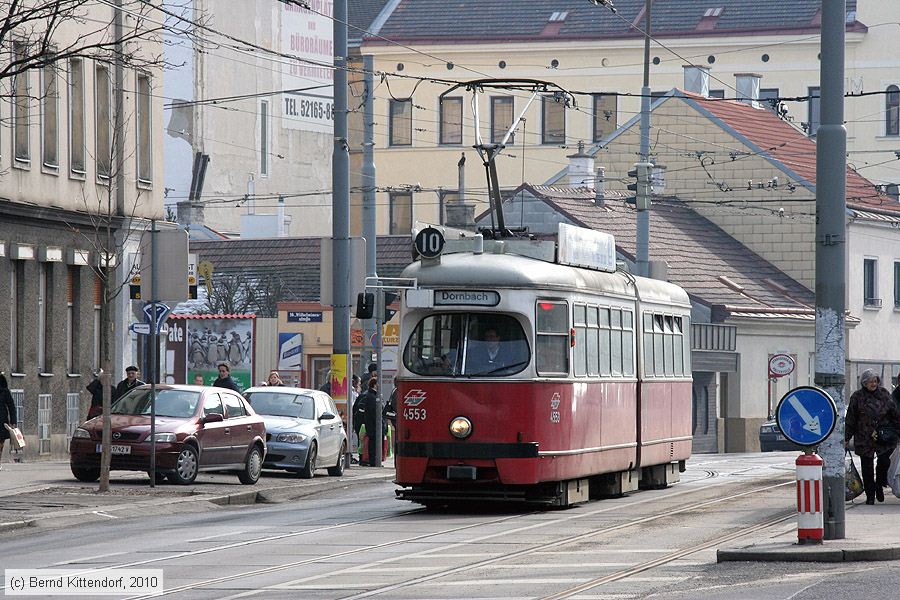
(303, 429)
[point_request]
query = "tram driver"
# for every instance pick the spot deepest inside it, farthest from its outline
(489, 355)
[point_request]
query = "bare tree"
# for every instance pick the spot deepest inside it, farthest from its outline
(37, 33)
(246, 292)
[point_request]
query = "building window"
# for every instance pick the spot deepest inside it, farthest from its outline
(870, 282)
(892, 111)
(76, 116)
(766, 96)
(103, 120)
(814, 111)
(893, 191)
(16, 315)
(896, 284)
(720, 94)
(401, 213)
(451, 120)
(553, 121)
(264, 138)
(501, 118)
(72, 295)
(605, 115)
(21, 100)
(144, 143)
(50, 117)
(45, 287)
(401, 123)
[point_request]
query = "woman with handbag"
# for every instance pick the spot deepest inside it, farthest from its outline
(873, 422)
(7, 414)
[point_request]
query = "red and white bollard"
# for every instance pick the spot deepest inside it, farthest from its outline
(810, 501)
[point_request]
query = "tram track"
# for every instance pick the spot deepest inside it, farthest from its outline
(386, 589)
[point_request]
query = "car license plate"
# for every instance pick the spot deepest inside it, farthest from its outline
(116, 449)
(779, 437)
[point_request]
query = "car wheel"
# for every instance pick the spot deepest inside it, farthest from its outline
(186, 466)
(252, 468)
(338, 469)
(86, 473)
(309, 469)
(160, 477)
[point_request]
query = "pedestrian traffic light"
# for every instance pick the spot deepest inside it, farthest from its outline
(365, 305)
(134, 288)
(389, 298)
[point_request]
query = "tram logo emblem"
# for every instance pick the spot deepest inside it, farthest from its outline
(555, 416)
(414, 397)
(554, 401)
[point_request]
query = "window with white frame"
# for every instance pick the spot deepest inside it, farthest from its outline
(45, 285)
(50, 117)
(892, 111)
(401, 213)
(605, 108)
(72, 291)
(896, 284)
(501, 118)
(103, 120)
(400, 133)
(21, 110)
(264, 138)
(870, 283)
(144, 142)
(76, 116)
(451, 120)
(553, 120)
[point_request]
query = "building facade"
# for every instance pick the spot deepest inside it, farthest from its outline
(77, 189)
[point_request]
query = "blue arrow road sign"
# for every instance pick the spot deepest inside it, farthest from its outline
(806, 415)
(162, 311)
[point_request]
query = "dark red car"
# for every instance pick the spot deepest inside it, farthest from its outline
(197, 429)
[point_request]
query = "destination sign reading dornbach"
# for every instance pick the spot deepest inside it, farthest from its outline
(466, 297)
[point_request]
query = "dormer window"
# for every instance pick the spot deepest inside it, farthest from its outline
(713, 12)
(559, 16)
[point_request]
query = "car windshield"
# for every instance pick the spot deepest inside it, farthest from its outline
(281, 404)
(169, 403)
(467, 345)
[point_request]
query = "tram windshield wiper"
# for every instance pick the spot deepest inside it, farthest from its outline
(498, 369)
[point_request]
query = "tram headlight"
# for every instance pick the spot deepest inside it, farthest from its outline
(461, 427)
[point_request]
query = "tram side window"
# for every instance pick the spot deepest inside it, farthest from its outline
(666, 353)
(581, 354)
(628, 343)
(593, 341)
(552, 339)
(605, 351)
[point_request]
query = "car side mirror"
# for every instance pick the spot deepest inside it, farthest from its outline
(326, 416)
(213, 418)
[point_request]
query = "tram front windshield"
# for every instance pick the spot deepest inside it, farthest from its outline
(467, 345)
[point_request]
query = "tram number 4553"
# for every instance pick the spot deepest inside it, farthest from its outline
(414, 414)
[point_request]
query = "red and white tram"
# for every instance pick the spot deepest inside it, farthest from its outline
(526, 379)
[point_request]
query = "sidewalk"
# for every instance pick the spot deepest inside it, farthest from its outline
(871, 533)
(45, 494)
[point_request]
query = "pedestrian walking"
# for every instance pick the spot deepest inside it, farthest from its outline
(896, 393)
(274, 379)
(130, 382)
(370, 408)
(7, 414)
(198, 379)
(872, 410)
(224, 380)
(371, 371)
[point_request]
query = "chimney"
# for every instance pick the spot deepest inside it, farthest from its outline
(581, 168)
(189, 213)
(748, 88)
(600, 187)
(696, 80)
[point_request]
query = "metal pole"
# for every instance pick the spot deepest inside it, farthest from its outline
(831, 232)
(340, 173)
(642, 240)
(369, 219)
(154, 346)
(119, 107)
(375, 459)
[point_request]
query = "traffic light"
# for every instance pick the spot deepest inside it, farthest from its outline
(642, 186)
(389, 298)
(134, 288)
(365, 305)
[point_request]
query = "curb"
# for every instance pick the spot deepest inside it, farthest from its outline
(806, 554)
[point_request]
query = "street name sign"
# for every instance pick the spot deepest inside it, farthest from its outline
(806, 415)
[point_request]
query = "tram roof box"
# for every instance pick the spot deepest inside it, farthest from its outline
(420, 298)
(581, 247)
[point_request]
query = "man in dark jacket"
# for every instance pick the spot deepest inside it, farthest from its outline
(130, 382)
(370, 406)
(96, 390)
(225, 380)
(7, 412)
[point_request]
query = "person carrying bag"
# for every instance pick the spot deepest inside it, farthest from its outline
(853, 483)
(8, 420)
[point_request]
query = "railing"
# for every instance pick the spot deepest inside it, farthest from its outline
(709, 336)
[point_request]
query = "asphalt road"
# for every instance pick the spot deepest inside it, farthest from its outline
(359, 542)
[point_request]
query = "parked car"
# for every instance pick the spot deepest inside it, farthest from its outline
(197, 429)
(303, 429)
(771, 438)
